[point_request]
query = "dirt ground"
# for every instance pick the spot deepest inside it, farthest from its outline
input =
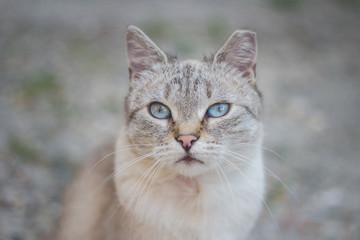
(63, 78)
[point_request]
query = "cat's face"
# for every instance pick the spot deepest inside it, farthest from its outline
(194, 115)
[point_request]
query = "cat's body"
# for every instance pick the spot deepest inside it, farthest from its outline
(188, 160)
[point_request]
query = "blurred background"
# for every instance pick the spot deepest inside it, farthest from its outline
(63, 79)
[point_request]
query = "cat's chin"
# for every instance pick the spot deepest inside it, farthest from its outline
(189, 166)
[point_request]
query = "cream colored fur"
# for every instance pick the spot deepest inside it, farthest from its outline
(150, 195)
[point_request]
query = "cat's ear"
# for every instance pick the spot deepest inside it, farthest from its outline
(141, 51)
(239, 51)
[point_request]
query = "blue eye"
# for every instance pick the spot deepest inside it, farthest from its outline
(217, 110)
(159, 110)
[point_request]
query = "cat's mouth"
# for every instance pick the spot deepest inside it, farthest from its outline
(189, 160)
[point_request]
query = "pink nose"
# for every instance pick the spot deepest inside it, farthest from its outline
(187, 140)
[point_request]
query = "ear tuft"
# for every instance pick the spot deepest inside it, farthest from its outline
(141, 51)
(239, 51)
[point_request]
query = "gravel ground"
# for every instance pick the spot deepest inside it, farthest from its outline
(63, 78)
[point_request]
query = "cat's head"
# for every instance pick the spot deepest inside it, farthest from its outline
(193, 114)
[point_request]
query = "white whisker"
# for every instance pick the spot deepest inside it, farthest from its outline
(262, 147)
(230, 189)
(126, 165)
(154, 176)
(124, 148)
(258, 193)
(217, 172)
(140, 181)
(268, 171)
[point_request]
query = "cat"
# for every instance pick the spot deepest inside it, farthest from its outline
(187, 163)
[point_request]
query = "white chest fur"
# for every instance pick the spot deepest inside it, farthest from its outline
(209, 206)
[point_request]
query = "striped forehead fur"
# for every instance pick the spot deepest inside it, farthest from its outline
(191, 81)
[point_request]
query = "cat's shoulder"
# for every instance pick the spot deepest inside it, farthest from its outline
(88, 196)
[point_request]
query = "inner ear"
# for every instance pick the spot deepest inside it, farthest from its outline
(142, 52)
(250, 73)
(239, 51)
